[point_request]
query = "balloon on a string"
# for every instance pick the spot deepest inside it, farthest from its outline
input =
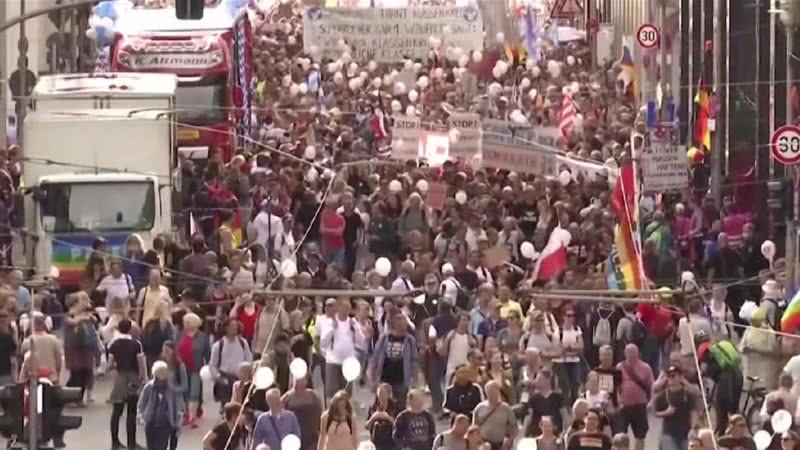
(762, 439)
(290, 442)
(768, 250)
(527, 249)
(351, 369)
(310, 152)
(206, 375)
(298, 368)
(383, 266)
(263, 378)
(781, 421)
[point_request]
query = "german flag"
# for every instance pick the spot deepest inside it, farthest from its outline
(629, 74)
(702, 100)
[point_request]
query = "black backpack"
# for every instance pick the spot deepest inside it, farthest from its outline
(638, 330)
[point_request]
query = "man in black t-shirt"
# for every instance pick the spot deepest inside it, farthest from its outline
(591, 438)
(127, 357)
(395, 359)
(8, 352)
(676, 405)
(217, 438)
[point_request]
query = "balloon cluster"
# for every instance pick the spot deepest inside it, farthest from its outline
(102, 23)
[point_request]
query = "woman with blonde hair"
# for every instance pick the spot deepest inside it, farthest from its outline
(194, 349)
(151, 296)
(337, 427)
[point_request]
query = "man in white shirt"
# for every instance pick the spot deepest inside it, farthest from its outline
(450, 286)
(341, 341)
(403, 281)
(116, 284)
(268, 226)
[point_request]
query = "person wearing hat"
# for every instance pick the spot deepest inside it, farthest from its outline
(676, 405)
(760, 350)
(772, 302)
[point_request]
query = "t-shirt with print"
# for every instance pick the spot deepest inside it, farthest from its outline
(393, 362)
(609, 380)
(584, 440)
(415, 430)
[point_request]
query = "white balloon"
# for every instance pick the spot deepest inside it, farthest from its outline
(461, 197)
(376, 82)
(527, 249)
(303, 88)
(372, 66)
(395, 186)
(351, 369)
(533, 93)
(536, 71)
(529, 63)
(288, 268)
(477, 56)
(206, 374)
(454, 135)
(413, 95)
(500, 37)
(781, 421)
(570, 60)
(525, 83)
(768, 249)
(399, 88)
(396, 106)
(366, 445)
(263, 378)
(463, 60)
(526, 444)
(298, 368)
(564, 177)
(422, 185)
(383, 266)
(411, 111)
(310, 152)
(762, 439)
(438, 73)
(518, 117)
(423, 82)
(290, 442)
(496, 72)
(417, 67)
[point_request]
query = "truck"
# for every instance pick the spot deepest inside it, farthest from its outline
(212, 58)
(99, 158)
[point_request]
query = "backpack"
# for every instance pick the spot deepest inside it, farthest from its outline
(780, 306)
(638, 330)
(602, 330)
(725, 354)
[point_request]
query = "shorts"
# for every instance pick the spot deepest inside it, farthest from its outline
(634, 416)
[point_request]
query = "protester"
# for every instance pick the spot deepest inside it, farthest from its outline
(414, 428)
(307, 407)
(160, 407)
(127, 357)
(338, 428)
(277, 423)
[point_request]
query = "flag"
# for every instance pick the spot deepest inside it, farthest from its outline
(379, 124)
(790, 320)
(626, 233)
(553, 258)
(531, 36)
(702, 100)
(566, 118)
(629, 74)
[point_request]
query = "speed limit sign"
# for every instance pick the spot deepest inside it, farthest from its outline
(647, 36)
(785, 145)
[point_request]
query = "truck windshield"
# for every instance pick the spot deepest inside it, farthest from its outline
(89, 207)
(202, 104)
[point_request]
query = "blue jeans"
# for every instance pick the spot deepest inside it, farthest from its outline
(673, 442)
(334, 256)
(159, 435)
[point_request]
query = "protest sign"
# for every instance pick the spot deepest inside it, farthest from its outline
(589, 171)
(502, 148)
(664, 164)
(435, 148)
(405, 137)
(390, 35)
(469, 140)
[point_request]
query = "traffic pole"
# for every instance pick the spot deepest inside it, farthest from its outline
(716, 141)
(4, 74)
(22, 67)
(791, 219)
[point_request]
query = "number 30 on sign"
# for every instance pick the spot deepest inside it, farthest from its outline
(785, 145)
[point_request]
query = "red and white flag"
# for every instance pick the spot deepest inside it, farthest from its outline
(379, 124)
(553, 258)
(566, 118)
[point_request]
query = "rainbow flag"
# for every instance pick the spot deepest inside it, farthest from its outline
(626, 234)
(630, 74)
(702, 101)
(790, 320)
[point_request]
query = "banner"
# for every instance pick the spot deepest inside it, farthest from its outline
(588, 170)
(469, 141)
(390, 34)
(503, 148)
(436, 196)
(405, 137)
(664, 164)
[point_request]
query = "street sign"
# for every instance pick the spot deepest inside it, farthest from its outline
(566, 9)
(648, 36)
(785, 145)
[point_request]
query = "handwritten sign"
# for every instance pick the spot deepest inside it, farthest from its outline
(469, 140)
(405, 137)
(664, 164)
(390, 34)
(503, 149)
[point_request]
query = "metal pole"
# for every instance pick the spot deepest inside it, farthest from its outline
(38, 12)
(33, 387)
(791, 220)
(690, 78)
(22, 67)
(772, 38)
(716, 142)
(757, 90)
(4, 73)
(727, 87)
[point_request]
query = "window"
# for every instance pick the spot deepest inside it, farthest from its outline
(97, 206)
(202, 104)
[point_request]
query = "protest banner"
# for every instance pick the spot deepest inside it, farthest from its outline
(389, 35)
(548, 136)
(502, 148)
(469, 140)
(664, 164)
(405, 137)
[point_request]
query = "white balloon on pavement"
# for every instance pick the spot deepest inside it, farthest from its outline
(263, 378)
(383, 266)
(298, 368)
(290, 442)
(762, 438)
(206, 375)
(781, 421)
(351, 369)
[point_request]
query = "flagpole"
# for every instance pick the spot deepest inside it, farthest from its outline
(772, 60)
(716, 140)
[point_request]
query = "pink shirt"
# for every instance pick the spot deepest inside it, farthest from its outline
(630, 392)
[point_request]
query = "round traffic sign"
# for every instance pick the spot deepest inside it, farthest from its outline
(785, 145)
(647, 35)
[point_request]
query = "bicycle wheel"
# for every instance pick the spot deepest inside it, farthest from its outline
(752, 416)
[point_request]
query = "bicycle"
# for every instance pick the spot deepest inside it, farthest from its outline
(753, 401)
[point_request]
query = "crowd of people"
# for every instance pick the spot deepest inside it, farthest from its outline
(467, 348)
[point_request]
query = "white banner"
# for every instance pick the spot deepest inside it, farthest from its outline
(390, 34)
(502, 151)
(664, 164)
(406, 132)
(469, 140)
